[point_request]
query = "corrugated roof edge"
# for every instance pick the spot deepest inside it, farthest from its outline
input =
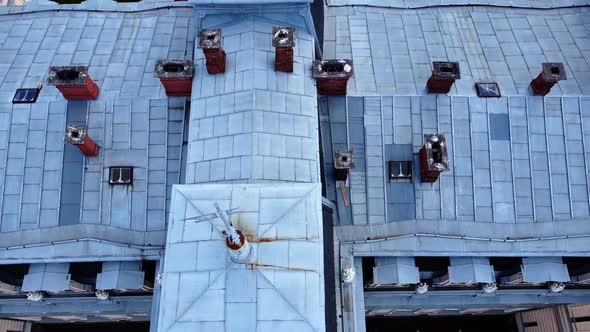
(241, 6)
(420, 4)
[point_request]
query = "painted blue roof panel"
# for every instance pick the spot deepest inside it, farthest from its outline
(409, 4)
(252, 123)
(132, 119)
(393, 49)
(281, 286)
(528, 166)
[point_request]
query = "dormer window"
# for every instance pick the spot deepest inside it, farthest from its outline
(121, 175)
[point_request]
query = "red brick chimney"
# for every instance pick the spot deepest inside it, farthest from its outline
(433, 157)
(343, 162)
(552, 73)
(210, 42)
(73, 82)
(78, 136)
(332, 76)
(283, 40)
(176, 76)
(443, 76)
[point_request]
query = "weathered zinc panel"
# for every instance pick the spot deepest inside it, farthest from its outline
(512, 160)
(426, 3)
(253, 123)
(72, 169)
(130, 119)
(393, 51)
(54, 146)
(375, 161)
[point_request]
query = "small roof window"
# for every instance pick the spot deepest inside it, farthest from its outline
(26, 96)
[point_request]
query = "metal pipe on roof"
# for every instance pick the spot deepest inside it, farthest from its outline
(457, 237)
(24, 246)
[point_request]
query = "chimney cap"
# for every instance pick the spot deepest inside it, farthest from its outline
(283, 37)
(445, 70)
(210, 38)
(67, 75)
(344, 159)
(174, 69)
(75, 134)
(335, 68)
(436, 152)
(553, 71)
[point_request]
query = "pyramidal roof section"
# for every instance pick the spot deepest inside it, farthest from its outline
(280, 287)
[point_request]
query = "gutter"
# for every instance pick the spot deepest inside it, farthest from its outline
(428, 235)
(86, 239)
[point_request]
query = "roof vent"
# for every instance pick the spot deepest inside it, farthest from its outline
(283, 40)
(210, 42)
(433, 157)
(332, 76)
(176, 76)
(400, 170)
(343, 162)
(443, 76)
(121, 175)
(552, 73)
(78, 135)
(73, 82)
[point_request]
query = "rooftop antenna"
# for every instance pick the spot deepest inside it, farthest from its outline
(239, 248)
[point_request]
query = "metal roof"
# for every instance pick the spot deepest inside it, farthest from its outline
(516, 159)
(131, 121)
(283, 285)
(393, 49)
(409, 4)
(253, 123)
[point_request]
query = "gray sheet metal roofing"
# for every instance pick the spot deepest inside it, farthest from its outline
(248, 125)
(281, 288)
(132, 121)
(393, 49)
(253, 123)
(516, 159)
